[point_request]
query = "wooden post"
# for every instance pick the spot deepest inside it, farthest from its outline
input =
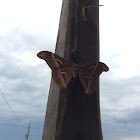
(71, 114)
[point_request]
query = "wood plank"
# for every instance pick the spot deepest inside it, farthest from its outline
(71, 114)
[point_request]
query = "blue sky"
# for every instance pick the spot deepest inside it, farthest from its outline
(29, 26)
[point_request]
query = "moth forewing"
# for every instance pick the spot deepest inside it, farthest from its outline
(99, 68)
(49, 58)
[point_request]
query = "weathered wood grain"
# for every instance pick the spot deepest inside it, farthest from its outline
(71, 114)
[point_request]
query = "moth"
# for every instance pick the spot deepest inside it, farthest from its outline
(63, 71)
(84, 10)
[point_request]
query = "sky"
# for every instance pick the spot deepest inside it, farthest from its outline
(28, 27)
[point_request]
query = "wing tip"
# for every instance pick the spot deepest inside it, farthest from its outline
(104, 66)
(42, 54)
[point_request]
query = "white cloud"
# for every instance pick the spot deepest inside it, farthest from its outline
(30, 16)
(120, 33)
(27, 58)
(120, 104)
(24, 77)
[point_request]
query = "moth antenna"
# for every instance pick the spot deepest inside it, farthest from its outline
(58, 61)
(64, 73)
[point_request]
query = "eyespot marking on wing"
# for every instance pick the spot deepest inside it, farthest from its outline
(64, 73)
(58, 61)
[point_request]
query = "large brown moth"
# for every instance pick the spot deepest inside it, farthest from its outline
(63, 71)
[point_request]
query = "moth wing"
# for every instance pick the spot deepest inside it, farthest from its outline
(99, 68)
(53, 60)
(94, 73)
(84, 75)
(66, 68)
(67, 72)
(61, 69)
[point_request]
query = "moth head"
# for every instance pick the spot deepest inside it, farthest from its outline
(75, 72)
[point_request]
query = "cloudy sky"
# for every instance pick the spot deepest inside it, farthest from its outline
(30, 26)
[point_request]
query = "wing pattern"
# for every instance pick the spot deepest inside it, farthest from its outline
(62, 71)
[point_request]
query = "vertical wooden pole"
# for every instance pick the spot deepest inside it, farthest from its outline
(71, 114)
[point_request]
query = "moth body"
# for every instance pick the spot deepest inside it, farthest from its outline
(75, 72)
